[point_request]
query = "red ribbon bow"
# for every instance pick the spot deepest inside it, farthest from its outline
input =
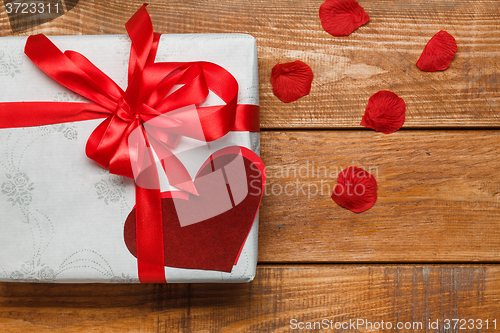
(146, 97)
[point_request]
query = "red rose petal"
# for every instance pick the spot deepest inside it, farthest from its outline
(385, 112)
(341, 17)
(356, 190)
(291, 80)
(438, 52)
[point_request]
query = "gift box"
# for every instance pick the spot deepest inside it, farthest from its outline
(66, 218)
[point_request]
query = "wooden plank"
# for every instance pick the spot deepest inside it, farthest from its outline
(380, 55)
(438, 197)
(279, 294)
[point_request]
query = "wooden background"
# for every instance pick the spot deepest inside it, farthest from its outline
(430, 247)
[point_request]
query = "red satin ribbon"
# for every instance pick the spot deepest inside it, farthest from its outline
(145, 98)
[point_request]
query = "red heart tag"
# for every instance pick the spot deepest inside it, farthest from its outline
(208, 231)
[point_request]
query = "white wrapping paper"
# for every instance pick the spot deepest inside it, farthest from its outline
(62, 215)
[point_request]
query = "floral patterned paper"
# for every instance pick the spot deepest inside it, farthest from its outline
(62, 214)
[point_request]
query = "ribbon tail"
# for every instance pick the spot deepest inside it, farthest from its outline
(149, 235)
(176, 172)
(149, 222)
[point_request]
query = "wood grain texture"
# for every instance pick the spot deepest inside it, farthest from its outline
(380, 55)
(438, 197)
(438, 190)
(338, 293)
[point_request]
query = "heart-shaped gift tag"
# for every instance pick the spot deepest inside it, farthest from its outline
(208, 231)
